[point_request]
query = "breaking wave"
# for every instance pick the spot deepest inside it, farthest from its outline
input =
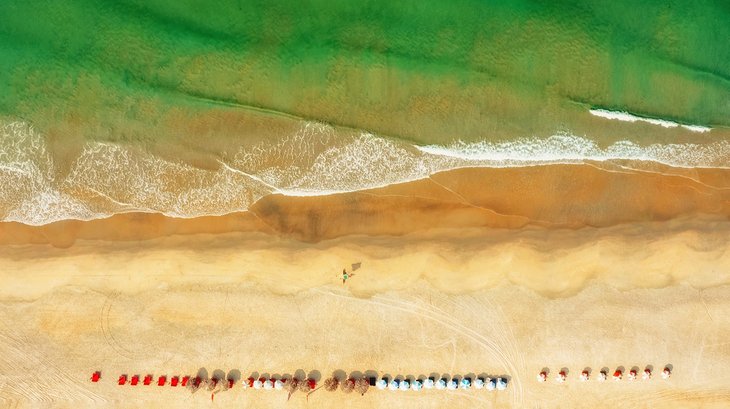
(106, 179)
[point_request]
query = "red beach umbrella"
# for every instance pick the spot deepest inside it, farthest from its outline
(312, 384)
(95, 376)
(174, 381)
(161, 381)
(122, 379)
(135, 380)
(250, 382)
(147, 380)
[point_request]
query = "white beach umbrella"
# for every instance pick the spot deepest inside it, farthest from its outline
(257, 384)
(501, 384)
(268, 385)
(428, 384)
(666, 373)
(405, 385)
(602, 376)
(542, 376)
(278, 385)
(381, 384)
(491, 384)
(452, 385)
(416, 385)
(440, 384)
(647, 374)
(393, 385)
(479, 383)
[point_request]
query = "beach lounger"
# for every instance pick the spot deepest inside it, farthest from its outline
(95, 376)
(174, 381)
(147, 380)
(162, 380)
(185, 380)
(122, 379)
(135, 380)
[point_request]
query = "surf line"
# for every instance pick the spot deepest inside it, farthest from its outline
(627, 117)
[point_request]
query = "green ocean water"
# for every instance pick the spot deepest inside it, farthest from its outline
(191, 108)
(425, 71)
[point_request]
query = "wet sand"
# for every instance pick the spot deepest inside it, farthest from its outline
(469, 272)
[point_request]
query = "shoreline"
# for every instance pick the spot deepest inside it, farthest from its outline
(602, 195)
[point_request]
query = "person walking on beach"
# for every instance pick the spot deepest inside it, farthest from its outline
(345, 275)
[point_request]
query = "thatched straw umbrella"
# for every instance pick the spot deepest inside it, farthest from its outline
(362, 385)
(348, 386)
(331, 384)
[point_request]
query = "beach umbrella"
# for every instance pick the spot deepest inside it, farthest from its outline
(381, 384)
(501, 384)
(122, 379)
(348, 386)
(584, 376)
(162, 380)
(465, 383)
(268, 384)
(602, 376)
(394, 385)
(617, 375)
(632, 375)
(479, 383)
(95, 376)
(147, 380)
(428, 383)
(362, 385)
(278, 385)
(405, 385)
(416, 385)
(312, 384)
(561, 377)
(647, 374)
(666, 373)
(258, 384)
(174, 381)
(491, 384)
(331, 384)
(441, 384)
(542, 376)
(452, 384)
(196, 382)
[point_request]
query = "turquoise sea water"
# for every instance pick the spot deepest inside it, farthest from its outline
(195, 83)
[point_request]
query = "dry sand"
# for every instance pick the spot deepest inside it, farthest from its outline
(455, 279)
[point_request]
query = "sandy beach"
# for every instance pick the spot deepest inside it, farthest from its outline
(454, 279)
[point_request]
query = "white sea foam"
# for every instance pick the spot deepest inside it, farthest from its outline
(107, 178)
(627, 117)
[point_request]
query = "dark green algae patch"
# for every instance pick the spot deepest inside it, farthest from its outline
(426, 71)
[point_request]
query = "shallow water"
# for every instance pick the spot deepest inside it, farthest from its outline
(202, 109)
